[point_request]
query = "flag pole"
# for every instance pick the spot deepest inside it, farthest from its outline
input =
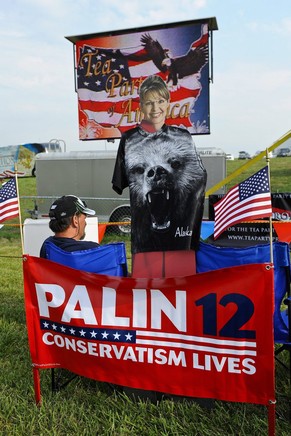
(19, 209)
(270, 217)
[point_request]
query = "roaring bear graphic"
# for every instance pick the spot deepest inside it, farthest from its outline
(167, 181)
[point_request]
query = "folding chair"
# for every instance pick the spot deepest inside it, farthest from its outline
(109, 259)
(210, 257)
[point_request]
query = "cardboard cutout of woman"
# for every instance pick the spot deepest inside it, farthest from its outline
(165, 175)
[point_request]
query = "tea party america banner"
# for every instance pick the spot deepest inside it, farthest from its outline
(110, 66)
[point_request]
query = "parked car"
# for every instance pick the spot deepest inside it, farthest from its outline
(244, 155)
(229, 156)
(283, 152)
(270, 154)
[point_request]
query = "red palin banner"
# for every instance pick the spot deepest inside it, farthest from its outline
(209, 335)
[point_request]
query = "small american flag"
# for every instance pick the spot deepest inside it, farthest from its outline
(247, 200)
(8, 201)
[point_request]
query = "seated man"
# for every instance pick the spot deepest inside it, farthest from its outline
(68, 221)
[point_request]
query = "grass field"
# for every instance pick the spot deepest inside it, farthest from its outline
(86, 407)
(280, 171)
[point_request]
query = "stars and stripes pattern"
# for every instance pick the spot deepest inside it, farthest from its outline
(9, 207)
(250, 199)
(93, 333)
(153, 339)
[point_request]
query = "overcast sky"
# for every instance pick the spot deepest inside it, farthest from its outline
(250, 98)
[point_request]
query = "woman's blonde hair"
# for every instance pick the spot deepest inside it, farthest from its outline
(154, 84)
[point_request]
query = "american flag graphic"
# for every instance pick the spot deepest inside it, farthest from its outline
(102, 105)
(250, 199)
(8, 201)
(93, 333)
(153, 339)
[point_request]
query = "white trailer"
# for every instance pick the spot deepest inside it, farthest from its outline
(88, 174)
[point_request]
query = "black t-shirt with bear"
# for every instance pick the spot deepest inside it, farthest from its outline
(166, 180)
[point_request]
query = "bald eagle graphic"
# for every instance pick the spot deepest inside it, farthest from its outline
(155, 52)
(177, 67)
